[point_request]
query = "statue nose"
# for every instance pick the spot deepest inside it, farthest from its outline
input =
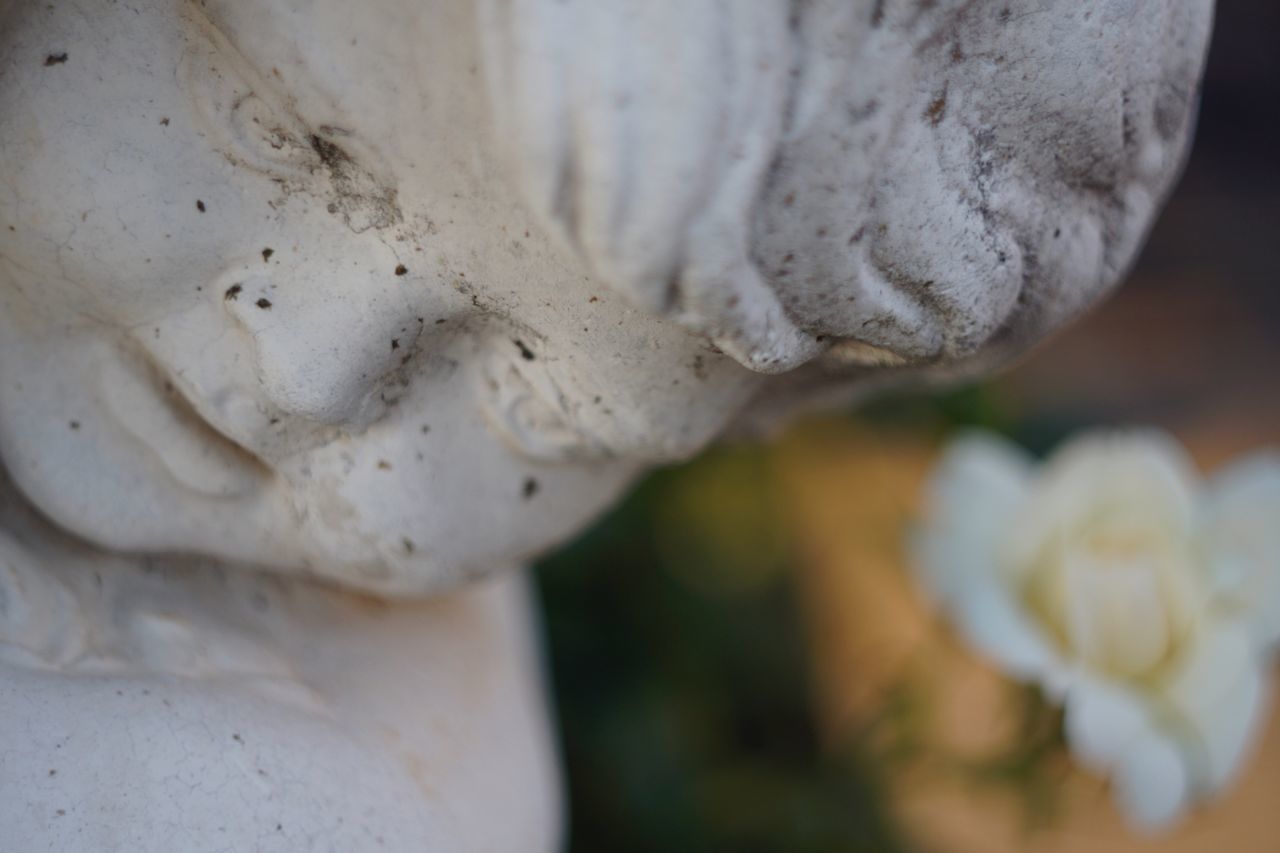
(325, 342)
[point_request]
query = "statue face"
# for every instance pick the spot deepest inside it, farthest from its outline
(395, 292)
(264, 298)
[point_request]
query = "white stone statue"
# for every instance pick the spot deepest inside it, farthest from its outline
(317, 317)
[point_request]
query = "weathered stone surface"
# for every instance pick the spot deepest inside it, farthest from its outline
(397, 294)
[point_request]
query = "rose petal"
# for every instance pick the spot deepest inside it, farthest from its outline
(1135, 460)
(1240, 529)
(1218, 696)
(1120, 616)
(1101, 721)
(1150, 783)
(996, 468)
(978, 485)
(1145, 473)
(1000, 629)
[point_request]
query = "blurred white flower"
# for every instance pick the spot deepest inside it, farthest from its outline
(1143, 600)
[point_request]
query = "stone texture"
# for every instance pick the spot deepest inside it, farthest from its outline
(395, 295)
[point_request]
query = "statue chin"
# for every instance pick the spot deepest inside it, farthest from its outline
(169, 705)
(339, 305)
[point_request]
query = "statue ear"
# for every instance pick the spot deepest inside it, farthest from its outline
(240, 111)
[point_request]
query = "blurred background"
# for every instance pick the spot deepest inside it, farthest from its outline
(740, 661)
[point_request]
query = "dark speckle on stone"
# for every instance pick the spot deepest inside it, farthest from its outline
(937, 109)
(232, 292)
(395, 343)
(525, 352)
(264, 303)
(401, 269)
(74, 424)
(199, 205)
(55, 59)
(530, 488)
(267, 253)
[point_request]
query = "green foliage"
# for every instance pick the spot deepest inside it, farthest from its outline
(979, 406)
(679, 671)
(677, 654)
(1032, 764)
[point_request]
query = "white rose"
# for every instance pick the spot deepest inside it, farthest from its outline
(1142, 600)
